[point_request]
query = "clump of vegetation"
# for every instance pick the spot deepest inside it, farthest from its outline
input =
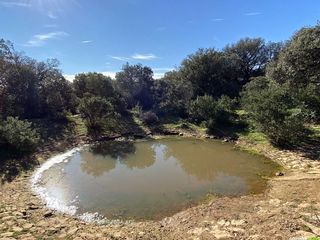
(213, 113)
(94, 111)
(18, 135)
(149, 118)
(272, 109)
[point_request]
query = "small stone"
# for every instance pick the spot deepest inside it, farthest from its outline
(72, 231)
(17, 229)
(48, 214)
(180, 134)
(237, 222)
(7, 234)
(27, 226)
(279, 174)
(33, 207)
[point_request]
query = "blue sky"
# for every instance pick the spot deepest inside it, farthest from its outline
(101, 35)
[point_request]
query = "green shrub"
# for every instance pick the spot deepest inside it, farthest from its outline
(149, 118)
(213, 113)
(18, 135)
(272, 109)
(94, 111)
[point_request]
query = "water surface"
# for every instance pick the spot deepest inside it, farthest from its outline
(152, 179)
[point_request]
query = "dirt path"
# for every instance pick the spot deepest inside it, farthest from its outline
(289, 209)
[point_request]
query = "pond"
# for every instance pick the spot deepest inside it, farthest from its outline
(147, 180)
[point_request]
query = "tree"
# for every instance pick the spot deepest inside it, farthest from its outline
(272, 109)
(251, 56)
(298, 65)
(18, 135)
(214, 113)
(172, 95)
(210, 72)
(28, 86)
(96, 84)
(95, 110)
(135, 83)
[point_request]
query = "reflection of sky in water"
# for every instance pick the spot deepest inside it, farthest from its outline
(153, 179)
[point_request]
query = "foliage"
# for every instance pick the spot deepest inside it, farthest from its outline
(172, 95)
(95, 110)
(31, 89)
(298, 65)
(251, 56)
(149, 118)
(210, 72)
(18, 135)
(272, 109)
(213, 113)
(135, 83)
(96, 84)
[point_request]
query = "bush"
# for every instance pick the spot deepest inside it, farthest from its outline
(18, 135)
(94, 111)
(272, 109)
(213, 113)
(149, 118)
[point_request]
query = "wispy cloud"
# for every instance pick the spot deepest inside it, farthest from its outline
(139, 56)
(253, 13)
(217, 19)
(15, 4)
(120, 58)
(52, 15)
(86, 41)
(40, 39)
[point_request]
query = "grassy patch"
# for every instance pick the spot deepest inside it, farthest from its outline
(256, 138)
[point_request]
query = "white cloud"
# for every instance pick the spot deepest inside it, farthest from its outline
(217, 19)
(15, 4)
(136, 56)
(40, 39)
(52, 15)
(70, 77)
(252, 13)
(86, 41)
(139, 56)
(120, 58)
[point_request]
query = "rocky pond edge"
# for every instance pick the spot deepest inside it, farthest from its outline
(24, 216)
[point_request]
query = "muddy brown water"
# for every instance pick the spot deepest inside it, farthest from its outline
(153, 179)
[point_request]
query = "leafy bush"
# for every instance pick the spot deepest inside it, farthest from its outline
(18, 135)
(213, 113)
(272, 109)
(149, 118)
(94, 111)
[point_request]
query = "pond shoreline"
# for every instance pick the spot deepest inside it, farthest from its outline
(288, 208)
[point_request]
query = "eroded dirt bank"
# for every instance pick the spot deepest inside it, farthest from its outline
(289, 208)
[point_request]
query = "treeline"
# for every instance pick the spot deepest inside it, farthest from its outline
(276, 84)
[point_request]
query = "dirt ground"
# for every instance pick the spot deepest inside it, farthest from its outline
(288, 209)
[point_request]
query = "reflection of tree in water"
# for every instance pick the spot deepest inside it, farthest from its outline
(96, 165)
(204, 160)
(114, 149)
(102, 157)
(144, 157)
